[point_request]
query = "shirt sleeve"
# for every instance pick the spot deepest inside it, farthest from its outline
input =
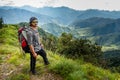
(29, 38)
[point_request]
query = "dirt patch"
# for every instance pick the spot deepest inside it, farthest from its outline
(46, 76)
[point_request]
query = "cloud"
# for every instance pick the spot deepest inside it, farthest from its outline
(35, 3)
(75, 4)
(6, 2)
(47, 2)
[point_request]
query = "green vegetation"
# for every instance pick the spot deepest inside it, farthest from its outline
(75, 70)
(1, 23)
(55, 29)
(15, 66)
(19, 77)
(111, 60)
(8, 35)
(76, 48)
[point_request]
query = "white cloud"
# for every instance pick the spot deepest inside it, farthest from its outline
(6, 2)
(91, 4)
(76, 4)
(35, 3)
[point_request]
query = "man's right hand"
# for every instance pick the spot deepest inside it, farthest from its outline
(33, 51)
(35, 55)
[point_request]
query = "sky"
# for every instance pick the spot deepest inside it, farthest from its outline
(75, 4)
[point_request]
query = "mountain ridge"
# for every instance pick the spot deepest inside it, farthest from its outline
(65, 15)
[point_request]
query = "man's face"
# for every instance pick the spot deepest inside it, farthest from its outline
(34, 23)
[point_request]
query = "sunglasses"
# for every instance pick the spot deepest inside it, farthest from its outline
(35, 22)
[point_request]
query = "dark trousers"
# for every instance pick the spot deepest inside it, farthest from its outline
(33, 60)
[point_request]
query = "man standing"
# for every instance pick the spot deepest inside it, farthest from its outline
(36, 48)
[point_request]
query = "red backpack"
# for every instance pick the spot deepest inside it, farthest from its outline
(23, 39)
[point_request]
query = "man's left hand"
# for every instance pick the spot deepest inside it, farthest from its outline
(42, 45)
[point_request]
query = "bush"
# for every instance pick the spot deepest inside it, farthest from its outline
(63, 67)
(76, 48)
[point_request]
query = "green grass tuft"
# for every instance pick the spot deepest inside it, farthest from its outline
(72, 70)
(19, 76)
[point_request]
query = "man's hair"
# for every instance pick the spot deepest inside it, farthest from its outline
(32, 18)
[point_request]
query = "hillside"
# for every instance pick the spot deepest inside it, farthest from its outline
(55, 29)
(10, 16)
(105, 31)
(60, 15)
(67, 15)
(92, 22)
(98, 13)
(15, 66)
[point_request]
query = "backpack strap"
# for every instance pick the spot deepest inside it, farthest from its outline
(24, 34)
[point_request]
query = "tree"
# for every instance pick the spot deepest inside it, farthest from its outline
(63, 43)
(76, 48)
(22, 24)
(49, 40)
(1, 22)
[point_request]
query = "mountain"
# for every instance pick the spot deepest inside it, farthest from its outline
(59, 15)
(28, 8)
(63, 15)
(7, 7)
(97, 13)
(55, 29)
(98, 26)
(107, 28)
(104, 31)
(91, 22)
(109, 39)
(16, 15)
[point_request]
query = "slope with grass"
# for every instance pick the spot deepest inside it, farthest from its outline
(15, 66)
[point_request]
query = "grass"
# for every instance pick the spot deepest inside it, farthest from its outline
(20, 76)
(72, 70)
(69, 69)
(9, 49)
(8, 35)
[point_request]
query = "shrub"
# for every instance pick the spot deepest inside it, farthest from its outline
(63, 67)
(76, 48)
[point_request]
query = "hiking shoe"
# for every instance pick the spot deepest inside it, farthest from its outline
(47, 63)
(33, 72)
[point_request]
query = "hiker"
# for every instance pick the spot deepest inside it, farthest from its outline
(36, 48)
